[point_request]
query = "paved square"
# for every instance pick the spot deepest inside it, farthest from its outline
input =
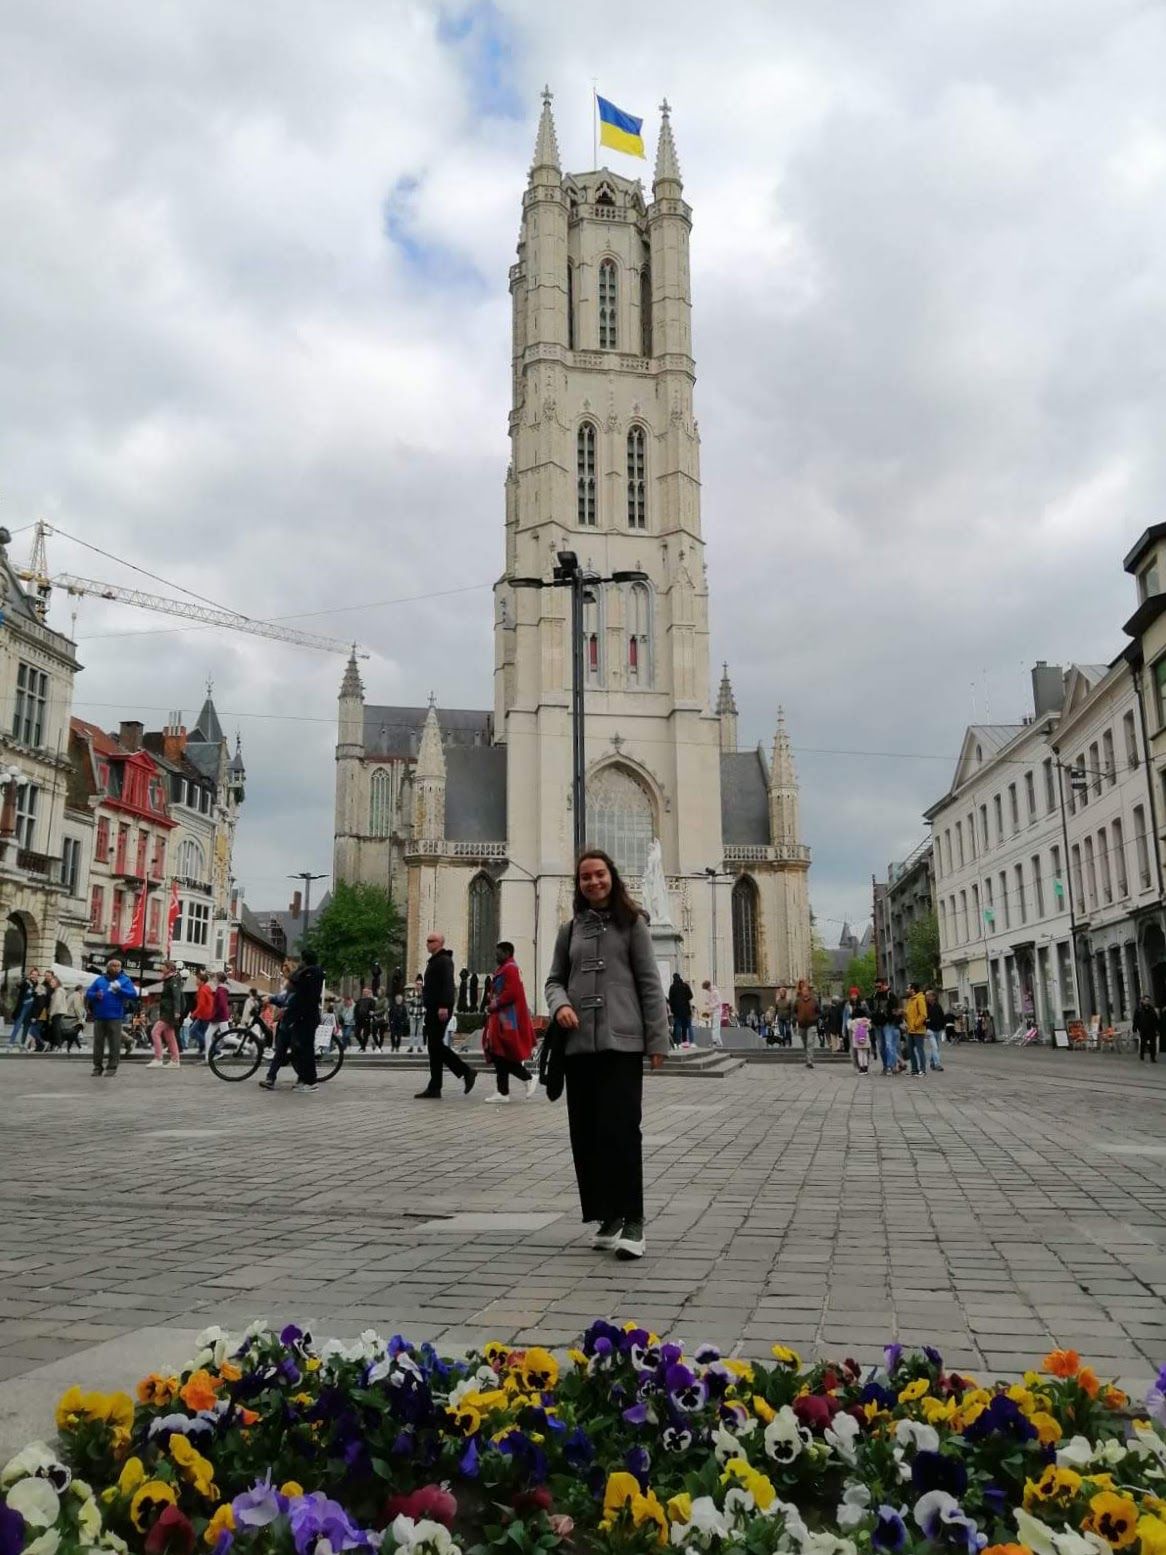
(1014, 1202)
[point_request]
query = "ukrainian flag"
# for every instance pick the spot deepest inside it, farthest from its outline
(619, 130)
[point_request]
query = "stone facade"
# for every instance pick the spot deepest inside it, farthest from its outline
(466, 816)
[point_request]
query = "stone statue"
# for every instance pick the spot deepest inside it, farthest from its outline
(654, 887)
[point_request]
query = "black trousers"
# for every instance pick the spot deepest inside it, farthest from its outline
(441, 1056)
(1148, 1044)
(604, 1098)
(504, 1068)
(297, 1047)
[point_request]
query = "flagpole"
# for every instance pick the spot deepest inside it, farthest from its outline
(594, 122)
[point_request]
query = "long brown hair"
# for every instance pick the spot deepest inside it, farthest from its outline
(624, 911)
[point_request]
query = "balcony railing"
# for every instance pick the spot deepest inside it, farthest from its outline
(441, 847)
(189, 883)
(766, 853)
(37, 863)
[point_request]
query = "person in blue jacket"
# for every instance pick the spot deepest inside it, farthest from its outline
(109, 998)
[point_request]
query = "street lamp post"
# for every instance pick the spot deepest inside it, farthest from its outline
(307, 877)
(570, 575)
(1078, 782)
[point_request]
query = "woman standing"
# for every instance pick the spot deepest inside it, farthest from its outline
(604, 992)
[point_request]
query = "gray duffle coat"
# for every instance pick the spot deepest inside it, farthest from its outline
(610, 978)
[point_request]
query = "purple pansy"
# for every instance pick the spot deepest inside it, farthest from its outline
(1004, 1415)
(578, 1451)
(11, 1531)
(260, 1505)
(1156, 1398)
(890, 1531)
(638, 1461)
(936, 1471)
(637, 1414)
(468, 1462)
(315, 1517)
(944, 1522)
(892, 1354)
(686, 1391)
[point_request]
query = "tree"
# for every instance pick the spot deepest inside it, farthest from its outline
(860, 973)
(821, 963)
(923, 951)
(359, 925)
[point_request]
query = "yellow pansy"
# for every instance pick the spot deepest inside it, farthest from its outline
(751, 1479)
(576, 1357)
(486, 1403)
(304, 1400)
(291, 1488)
(1023, 1397)
(222, 1522)
(624, 1490)
(1152, 1533)
(539, 1368)
(937, 1410)
(149, 1499)
(786, 1356)
(763, 1409)
(1055, 1484)
(679, 1509)
(199, 1471)
(229, 1372)
(466, 1418)
(132, 1474)
(914, 1390)
(1114, 1518)
(1047, 1427)
(740, 1369)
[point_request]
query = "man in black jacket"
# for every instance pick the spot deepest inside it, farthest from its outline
(1146, 1026)
(296, 1036)
(680, 1004)
(438, 992)
(884, 1013)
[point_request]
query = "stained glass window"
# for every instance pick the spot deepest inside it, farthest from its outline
(637, 490)
(585, 473)
(483, 935)
(619, 820)
(607, 305)
(378, 803)
(745, 927)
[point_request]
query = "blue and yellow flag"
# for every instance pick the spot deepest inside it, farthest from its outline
(619, 130)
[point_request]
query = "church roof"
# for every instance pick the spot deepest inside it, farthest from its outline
(208, 729)
(744, 798)
(396, 731)
(475, 792)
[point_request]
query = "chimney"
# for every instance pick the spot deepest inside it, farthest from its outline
(1048, 688)
(296, 904)
(174, 737)
(129, 734)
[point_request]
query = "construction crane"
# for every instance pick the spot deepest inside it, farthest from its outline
(37, 573)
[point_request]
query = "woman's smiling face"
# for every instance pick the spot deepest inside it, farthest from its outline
(594, 881)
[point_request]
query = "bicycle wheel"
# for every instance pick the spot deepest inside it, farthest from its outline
(329, 1057)
(235, 1054)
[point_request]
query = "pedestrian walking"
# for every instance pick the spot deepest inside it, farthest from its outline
(38, 1020)
(362, 1013)
(680, 1005)
(296, 1033)
(398, 1022)
(1147, 1026)
(438, 994)
(936, 1025)
(885, 1028)
(714, 1010)
(22, 1001)
(165, 1027)
(509, 1038)
(203, 1012)
(806, 1013)
(109, 998)
(380, 1020)
(416, 1005)
(346, 1021)
(603, 991)
(915, 1022)
(860, 1043)
(783, 1012)
(220, 1008)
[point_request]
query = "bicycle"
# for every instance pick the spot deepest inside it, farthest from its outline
(236, 1053)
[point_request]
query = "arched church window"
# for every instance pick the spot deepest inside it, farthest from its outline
(645, 311)
(637, 495)
(608, 292)
(619, 820)
(745, 956)
(483, 926)
(639, 625)
(570, 307)
(585, 472)
(378, 803)
(593, 636)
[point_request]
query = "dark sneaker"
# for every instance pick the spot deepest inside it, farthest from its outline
(96, 1074)
(427, 1095)
(630, 1243)
(471, 1080)
(267, 1085)
(608, 1235)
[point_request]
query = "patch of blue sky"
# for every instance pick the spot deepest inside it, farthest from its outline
(432, 262)
(484, 46)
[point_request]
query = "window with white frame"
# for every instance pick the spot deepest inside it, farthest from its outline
(1038, 886)
(1141, 846)
(637, 482)
(1090, 872)
(194, 920)
(998, 811)
(1130, 735)
(1104, 866)
(71, 864)
(1078, 878)
(1119, 857)
(1095, 767)
(585, 489)
(27, 796)
(608, 306)
(1108, 765)
(639, 608)
(1021, 903)
(32, 694)
(191, 860)
(1030, 795)
(1050, 785)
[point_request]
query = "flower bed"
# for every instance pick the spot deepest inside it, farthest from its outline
(273, 1444)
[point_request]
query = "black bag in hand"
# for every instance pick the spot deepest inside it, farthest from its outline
(552, 1071)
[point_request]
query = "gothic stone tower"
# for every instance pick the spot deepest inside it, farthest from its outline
(605, 462)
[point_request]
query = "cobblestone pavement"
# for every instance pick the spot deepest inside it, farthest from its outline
(1012, 1202)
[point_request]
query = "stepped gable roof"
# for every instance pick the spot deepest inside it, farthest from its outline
(475, 792)
(396, 731)
(744, 798)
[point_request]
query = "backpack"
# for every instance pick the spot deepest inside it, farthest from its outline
(807, 1010)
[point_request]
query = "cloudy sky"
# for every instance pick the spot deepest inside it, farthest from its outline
(255, 325)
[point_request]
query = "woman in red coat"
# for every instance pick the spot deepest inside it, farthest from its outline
(509, 1039)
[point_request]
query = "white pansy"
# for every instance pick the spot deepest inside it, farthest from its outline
(89, 1519)
(1043, 1540)
(854, 1506)
(784, 1437)
(842, 1435)
(1145, 1442)
(257, 1329)
(33, 1459)
(423, 1535)
(917, 1434)
(747, 1426)
(738, 1504)
(36, 1501)
(726, 1445)
(827, 1544)
(81, 1489)
(1076, 1453)
(48, 1543)
(706, 1518)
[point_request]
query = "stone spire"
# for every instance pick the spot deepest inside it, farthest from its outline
(783, 789)
(667, 162)
(546, 145)
(429, 780)
(727, 712)
(351, 685)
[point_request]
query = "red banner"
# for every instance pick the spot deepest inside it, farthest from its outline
(171, 915)
(136, 938)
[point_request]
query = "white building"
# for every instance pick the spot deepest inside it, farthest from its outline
(466, 815)
(1057, 803)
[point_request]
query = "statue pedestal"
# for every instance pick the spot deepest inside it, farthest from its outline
(666, 942)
